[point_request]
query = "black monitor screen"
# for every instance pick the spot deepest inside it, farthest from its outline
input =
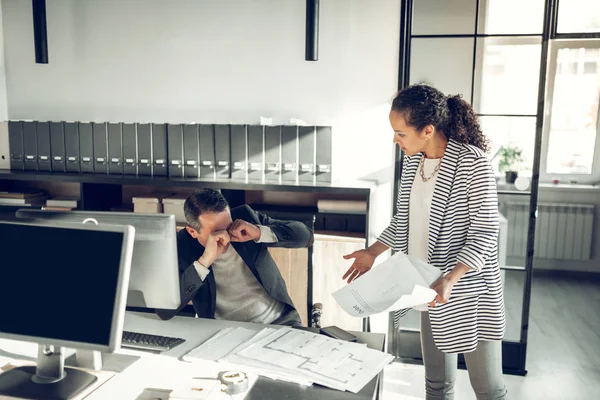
(58, 283)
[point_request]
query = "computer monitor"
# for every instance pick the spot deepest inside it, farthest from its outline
(61, 288)
(154, 281)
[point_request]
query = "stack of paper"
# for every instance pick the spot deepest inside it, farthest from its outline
(221, 344)
(296, 356)
(397, 283)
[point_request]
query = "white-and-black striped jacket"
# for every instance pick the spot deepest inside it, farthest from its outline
(463, 227)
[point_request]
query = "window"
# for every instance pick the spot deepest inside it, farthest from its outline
(510, 16)
(512, 132)
(578, 16)
(571, 128)
(507, 75)
(505, 97)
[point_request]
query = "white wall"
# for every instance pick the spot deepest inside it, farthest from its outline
(191, 60)
(226, 61)
(3, 102)
(4, 148)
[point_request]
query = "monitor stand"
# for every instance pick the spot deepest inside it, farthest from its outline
(49, 380)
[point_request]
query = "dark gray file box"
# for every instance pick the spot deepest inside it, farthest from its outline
(100, 148)
(175, 150)
(272, 153)
(86, 147)
(191, 150)
(255, 152)
(72, 147)
(306, 153)
(42, 131)
(15, 145)
(159, 150)
(43, 145)
(57, 146)
(144, 148)
(238, 151)
(129, 149)
(115, 149)
(222, 151)
(324, 153)
(207, 151)
(30, 146)
(289, 153)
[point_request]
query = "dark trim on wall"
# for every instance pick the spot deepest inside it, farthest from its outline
(582, 35)
(406, 10)
(479, 35)
(508, 115)
(549, 22)
(474, 52)
(404, 54)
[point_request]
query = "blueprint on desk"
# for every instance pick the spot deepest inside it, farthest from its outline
(297, 356)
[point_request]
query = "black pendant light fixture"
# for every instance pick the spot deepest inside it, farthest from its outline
(40, 35)
(312, 30)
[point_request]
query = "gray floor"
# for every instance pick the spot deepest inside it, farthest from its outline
(563, 357)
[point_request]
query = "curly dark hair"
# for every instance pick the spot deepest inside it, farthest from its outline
(424, 105)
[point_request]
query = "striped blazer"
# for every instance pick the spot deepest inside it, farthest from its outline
(463, 227)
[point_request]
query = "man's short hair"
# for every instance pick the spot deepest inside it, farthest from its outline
(203, 201)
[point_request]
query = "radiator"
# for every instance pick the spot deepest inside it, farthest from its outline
(562, 232)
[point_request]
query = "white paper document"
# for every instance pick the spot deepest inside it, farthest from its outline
(221, 344)
(296, 356)
(329, 362)
(397, 283)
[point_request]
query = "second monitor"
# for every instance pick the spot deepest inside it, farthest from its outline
(154, 279)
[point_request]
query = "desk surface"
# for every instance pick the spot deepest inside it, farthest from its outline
(195, 331)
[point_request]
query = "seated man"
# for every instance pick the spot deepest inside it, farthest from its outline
(225, 267)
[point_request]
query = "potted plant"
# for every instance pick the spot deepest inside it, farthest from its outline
(510, 158)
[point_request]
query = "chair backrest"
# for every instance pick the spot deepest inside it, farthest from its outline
(294, 267)
(328, 269)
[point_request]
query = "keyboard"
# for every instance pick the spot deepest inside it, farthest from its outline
(145, 341)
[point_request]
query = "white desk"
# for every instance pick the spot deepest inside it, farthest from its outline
(152, 370)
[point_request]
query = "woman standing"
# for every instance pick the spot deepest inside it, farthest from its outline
(448, 216)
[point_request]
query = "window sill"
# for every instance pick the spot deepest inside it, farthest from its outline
(569, 186)
(509, 188)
